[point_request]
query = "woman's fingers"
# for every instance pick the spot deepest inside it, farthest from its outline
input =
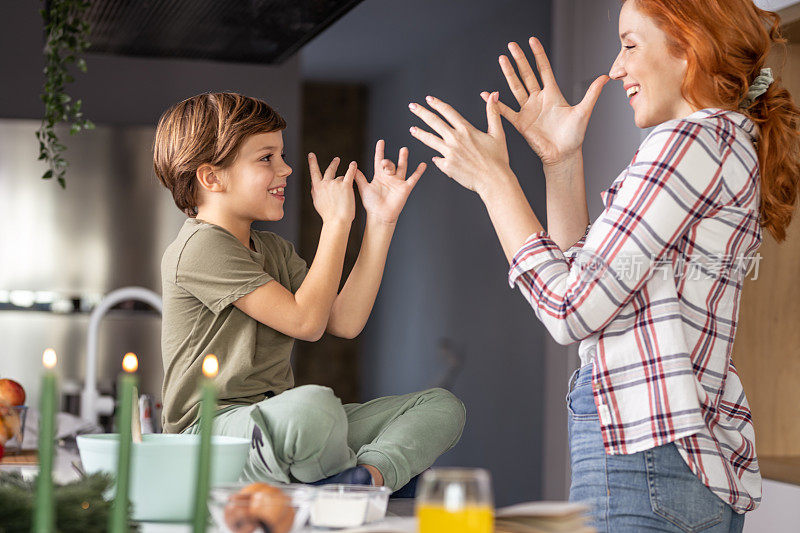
(592, 94)
(542, 63)
(330, 172)
(524, 68)
(494, 123)
(431, 119)
(429, 139)
(447, 111)
(517, 89)
(505, 111)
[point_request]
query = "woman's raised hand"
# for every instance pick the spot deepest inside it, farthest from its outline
(385, 196)
(471, 157)
(334, 198)
(554, 129)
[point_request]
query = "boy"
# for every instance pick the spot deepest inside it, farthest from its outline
(245, 295)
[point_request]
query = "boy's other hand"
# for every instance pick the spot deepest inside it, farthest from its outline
(385, 196)
(333, 195)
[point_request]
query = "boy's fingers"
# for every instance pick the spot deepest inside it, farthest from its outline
(330, 172)
(361, 180)
(387, 167)
(313, 167)
(349, 176)
(414, 178)
(402, 162)
(379, 150)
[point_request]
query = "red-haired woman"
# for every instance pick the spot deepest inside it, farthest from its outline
(660, 431)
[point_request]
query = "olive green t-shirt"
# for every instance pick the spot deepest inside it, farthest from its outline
(203, 271)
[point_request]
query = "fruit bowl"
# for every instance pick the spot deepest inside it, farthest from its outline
(12, 427)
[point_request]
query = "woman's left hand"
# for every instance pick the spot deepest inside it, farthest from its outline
(471, 157)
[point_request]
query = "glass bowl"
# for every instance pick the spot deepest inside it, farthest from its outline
(228, 507)
(339, 506)
(12, 424)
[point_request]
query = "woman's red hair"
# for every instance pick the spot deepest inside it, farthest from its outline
(726, 43)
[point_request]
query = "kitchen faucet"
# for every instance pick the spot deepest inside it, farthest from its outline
(92, 404)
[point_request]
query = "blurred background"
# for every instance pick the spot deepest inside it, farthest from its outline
(342, 78)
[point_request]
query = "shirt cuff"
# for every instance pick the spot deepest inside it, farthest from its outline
(572, 250)
(539, 248)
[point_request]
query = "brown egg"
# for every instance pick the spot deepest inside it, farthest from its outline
(270, 505)
(238, 517)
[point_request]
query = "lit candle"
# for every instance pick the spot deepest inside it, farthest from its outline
(126, 384)
(207, 407)
(44, 507)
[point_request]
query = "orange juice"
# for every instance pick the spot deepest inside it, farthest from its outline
(470, 519)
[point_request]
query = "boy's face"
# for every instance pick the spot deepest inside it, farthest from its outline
(255, 181)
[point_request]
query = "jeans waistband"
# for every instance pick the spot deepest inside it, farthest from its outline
(584, 375)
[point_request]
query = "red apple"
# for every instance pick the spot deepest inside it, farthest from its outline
(2, 450)
(11, 392)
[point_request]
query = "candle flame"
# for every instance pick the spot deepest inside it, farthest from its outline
(130, 363)
(210, 366)
(49, 358)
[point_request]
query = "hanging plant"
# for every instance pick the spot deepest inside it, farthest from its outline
(67, 37)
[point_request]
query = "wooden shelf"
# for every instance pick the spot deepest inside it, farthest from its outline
(786, 469)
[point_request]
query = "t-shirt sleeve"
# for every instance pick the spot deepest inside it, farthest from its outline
(217, 270)
(295, 264)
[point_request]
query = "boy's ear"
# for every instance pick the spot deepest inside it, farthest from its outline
(208, 178)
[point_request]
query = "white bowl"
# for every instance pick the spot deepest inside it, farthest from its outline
(164, 469)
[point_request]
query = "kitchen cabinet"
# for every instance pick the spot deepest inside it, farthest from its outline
(766, 350)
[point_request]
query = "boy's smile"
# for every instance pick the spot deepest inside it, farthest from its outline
(256, 181)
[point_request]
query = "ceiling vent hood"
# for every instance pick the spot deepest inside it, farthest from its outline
(246, 31)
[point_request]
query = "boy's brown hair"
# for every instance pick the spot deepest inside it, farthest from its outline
(207, 128)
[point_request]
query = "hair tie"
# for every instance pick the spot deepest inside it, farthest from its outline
(757, 88)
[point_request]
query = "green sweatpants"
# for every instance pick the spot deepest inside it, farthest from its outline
(306, 434)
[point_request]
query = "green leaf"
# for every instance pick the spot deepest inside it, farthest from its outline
(47, 175)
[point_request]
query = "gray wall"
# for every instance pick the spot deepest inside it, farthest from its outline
(126, 96)
(446, 273)
(120, 90)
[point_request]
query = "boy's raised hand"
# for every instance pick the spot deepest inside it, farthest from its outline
(333, 195)
(385, 196)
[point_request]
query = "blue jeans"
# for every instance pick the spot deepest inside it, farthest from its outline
(652, 490)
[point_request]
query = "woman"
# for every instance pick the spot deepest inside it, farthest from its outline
(660, 430)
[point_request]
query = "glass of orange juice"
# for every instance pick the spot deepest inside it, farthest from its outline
(455, 500)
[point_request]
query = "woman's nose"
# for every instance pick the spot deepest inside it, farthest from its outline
(617, 71)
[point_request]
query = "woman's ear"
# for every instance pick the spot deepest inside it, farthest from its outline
(208, 178)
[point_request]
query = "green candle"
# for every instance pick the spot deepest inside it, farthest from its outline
(208, 401)
(44, 506)
(118, 520)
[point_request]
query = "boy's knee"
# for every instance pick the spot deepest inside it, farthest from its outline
(446, 400)
(306, 419)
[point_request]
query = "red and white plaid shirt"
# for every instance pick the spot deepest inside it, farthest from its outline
(655, 284)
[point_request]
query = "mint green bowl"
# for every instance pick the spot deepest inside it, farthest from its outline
(164, 469)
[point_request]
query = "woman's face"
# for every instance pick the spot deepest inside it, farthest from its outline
(644, 63)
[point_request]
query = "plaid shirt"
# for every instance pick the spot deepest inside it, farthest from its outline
(654, 285)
